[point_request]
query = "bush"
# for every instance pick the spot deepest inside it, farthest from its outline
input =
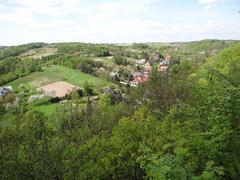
(119, 60)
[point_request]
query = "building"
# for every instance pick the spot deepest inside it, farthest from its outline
(108, 90)
(147, 67)
(168, 57)
(142, 61)
(163, 68)
(4, 91)
(137, 74)
(138, 80)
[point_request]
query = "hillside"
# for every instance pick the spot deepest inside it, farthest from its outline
(140, 111)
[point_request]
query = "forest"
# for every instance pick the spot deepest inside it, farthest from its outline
(182, 124)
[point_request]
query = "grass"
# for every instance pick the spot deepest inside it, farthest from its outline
(39, 52)
(106, 60)
(59, 73)
(47, 109)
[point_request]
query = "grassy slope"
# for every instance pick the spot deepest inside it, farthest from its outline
(39, 52)
(47, 109)
(56, 73)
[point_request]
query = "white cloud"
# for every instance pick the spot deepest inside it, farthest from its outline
(210, 4)
(23, 21)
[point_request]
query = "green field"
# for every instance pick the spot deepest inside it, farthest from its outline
(57, 73)
(47, 109)
(105, 60)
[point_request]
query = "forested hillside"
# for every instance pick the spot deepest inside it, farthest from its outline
(179, 124)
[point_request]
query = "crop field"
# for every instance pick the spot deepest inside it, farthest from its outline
(59, 73)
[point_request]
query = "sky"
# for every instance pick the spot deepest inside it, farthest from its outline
(117, 21)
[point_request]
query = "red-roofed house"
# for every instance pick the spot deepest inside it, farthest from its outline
(168, 57)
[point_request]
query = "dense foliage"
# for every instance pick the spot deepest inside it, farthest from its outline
(17, 50)
(87, 49)
(12, 68)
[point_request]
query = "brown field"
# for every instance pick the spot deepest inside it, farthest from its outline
(58, 89)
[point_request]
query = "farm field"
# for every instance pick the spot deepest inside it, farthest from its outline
(59, 73)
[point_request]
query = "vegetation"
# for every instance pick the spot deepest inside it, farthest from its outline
(178, 125)
(57, 73)
(17, 50)
(119, 60)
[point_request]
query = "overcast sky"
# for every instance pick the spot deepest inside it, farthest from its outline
(115, 21)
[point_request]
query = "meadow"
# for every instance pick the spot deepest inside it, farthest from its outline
(59, 73)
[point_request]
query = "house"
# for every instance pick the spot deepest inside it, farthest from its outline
(147, 67)
(133, 83)
(35, 97)
(94, 98)
(114, 75)
(168, 57)
(137, 74)
(164, 63)
(163, 68)
(142, 61)
(156, 57)
(4, 91)
(108, 90)
(138, 80)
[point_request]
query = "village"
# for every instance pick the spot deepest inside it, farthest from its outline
(144, 68)
(60, 90)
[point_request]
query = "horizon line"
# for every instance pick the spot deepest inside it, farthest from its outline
(144, 42)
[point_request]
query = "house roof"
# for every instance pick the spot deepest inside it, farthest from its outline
(137, 73)
(163, 68)
(141, 79)
(108, 90)
(168, 57)
(6, 89)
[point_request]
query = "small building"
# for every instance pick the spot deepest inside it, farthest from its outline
(137, 74)
(108, 90)
(147, 67)
(168, 57)
(35, 97)
(94, 98)
(164, 63)
(114, 75)
(142, 61)
(138, 80)
(4, 91)
(163, 68)
(133, 83)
